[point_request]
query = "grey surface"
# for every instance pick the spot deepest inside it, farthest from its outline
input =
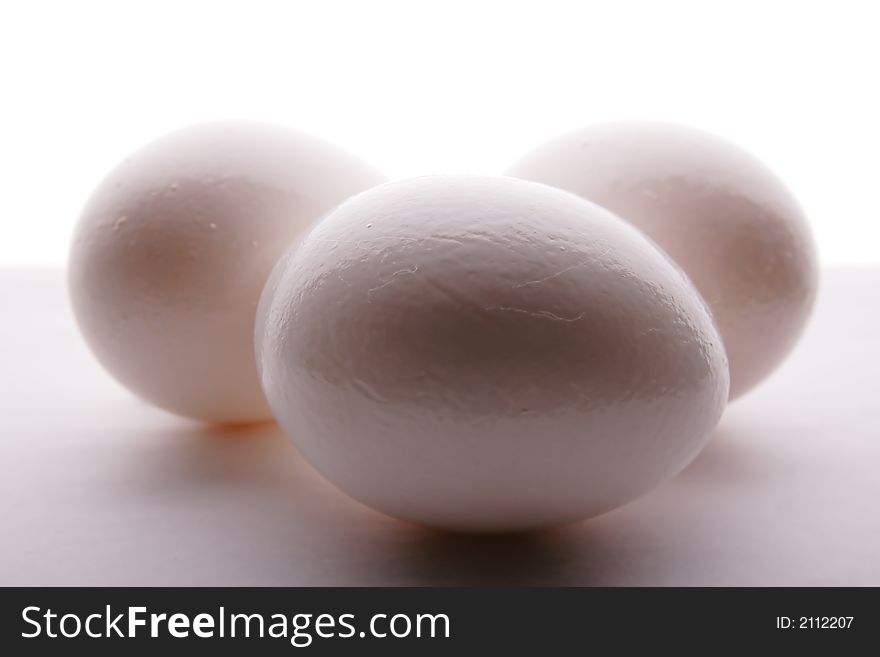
(97, 488)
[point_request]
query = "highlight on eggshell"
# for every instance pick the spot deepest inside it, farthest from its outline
(488, 354)
(726, 219)
(171, 253)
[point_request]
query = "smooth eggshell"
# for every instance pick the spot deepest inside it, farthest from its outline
(488, 354)
(173, 248)
(719, 213)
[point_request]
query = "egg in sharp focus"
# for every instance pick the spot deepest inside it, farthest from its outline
(725, 218)
(172, 250)
(487, 354)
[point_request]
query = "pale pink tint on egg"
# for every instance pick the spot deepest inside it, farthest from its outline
(488, 354)
(172, 251)
(726, 219)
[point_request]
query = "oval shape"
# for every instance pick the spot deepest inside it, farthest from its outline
(172, 251)
(725, 218)
(487, 354)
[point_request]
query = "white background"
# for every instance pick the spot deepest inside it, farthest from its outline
(426, 87)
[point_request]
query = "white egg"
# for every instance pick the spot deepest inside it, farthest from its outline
(719, 213)
(488, 354)
(173, 249)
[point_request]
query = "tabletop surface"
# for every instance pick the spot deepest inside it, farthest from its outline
(98, 488)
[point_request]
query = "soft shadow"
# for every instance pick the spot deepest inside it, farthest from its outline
(542, 558)
(237, 491)
(731, 458)
(194, 457)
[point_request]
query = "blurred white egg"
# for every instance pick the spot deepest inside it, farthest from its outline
(488, 354)
(173, 248)
(719, 213)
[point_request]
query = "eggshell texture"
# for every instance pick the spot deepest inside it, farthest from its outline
(172, 250)
(719, 213)
(488, 354)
